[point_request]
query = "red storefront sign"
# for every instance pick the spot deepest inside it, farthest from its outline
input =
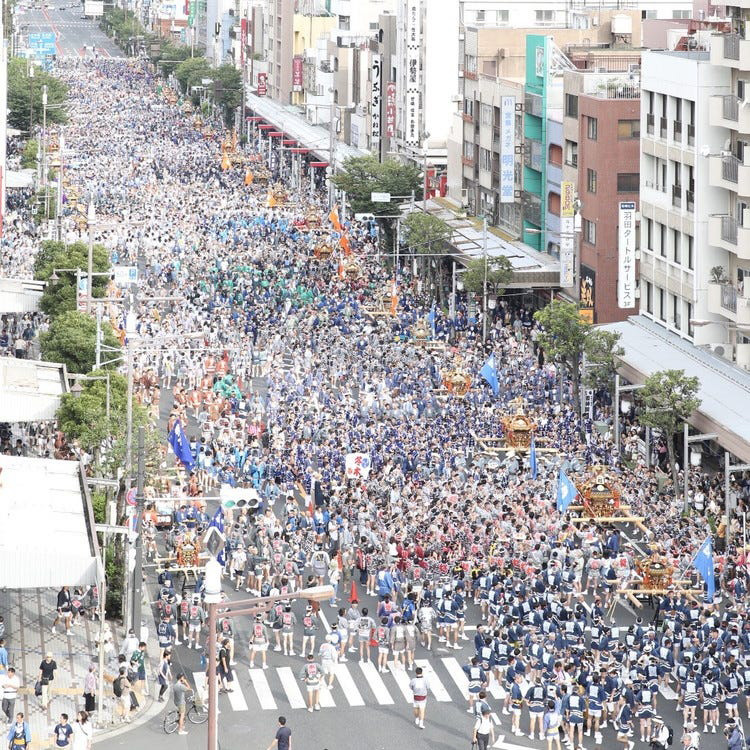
(297, 73)
(262, 87)
(390, 109)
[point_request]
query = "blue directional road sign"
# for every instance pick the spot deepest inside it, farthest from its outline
(43, 44)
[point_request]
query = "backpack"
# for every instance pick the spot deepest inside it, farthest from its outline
(670, 736)
(117, 687)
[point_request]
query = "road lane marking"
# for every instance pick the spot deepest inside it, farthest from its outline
(455, 670)
(262, 689)
(402, 680)
(375, 681)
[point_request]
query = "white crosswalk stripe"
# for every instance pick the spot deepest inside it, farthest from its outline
(457, 673)
(236, 698)
(262, 689)
(201, 688)
(348, 686)
(375, 681)
(402, 680)
(325, 697)
(291, 688)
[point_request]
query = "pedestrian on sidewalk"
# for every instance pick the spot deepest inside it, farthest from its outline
(89, 689)
(283, 737)
(10, 685)
(180, 689)
(62, 732)
(3, 657)
(83, 731)
(64, 610)
(19, 734)
(484, 732)
(121, 689)
(164, 676)
(46, 676)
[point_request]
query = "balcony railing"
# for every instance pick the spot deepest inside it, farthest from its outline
(677, 195)
(729, 229)
(663, 127)
(729, 297)
(650, 124)
(732, 46)
(731, 107)
(730, 168)
(677, 130)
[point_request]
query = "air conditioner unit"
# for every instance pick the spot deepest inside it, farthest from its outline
(456, 98)
(460, 74)
(722, 350)
(634, 68)
(464, 197)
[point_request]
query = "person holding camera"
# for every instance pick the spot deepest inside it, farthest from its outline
(735, 740)
(659, 734)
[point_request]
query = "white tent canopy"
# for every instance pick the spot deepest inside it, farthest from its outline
(30, 390)
(48, 537)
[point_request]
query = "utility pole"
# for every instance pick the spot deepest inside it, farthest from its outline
(332, 151)
(91, 220)
(138, 569)
(44, 151)
(484, 285)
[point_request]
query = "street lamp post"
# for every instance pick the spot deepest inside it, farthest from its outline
(619, 390)
(91, 221)
(687, 440)
(214, 543)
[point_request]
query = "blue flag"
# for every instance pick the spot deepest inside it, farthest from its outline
(181, 446)
(489, 373)
(532, 459)
(217, 521)
(704, 564)
(566, 492)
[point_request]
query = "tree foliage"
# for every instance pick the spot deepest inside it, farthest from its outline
(190, 71)
(60, 295)
(25, 106)
(28, 155)
(666, 401)
(122, 26)
(71, 339)
(171, 56)
(563, 337)
(499, 275)
(602, 348)
(227, 90)
(363, 175)
(425, 233)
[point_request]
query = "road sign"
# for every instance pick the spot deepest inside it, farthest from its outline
(125, 275)
(380, 197)
(44, 43)
(130, 497)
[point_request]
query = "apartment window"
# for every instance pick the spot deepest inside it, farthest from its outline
(676, 311)
(485, 160)
(676, 249)
(681, 14)
(345, 23)
(662, 241)
(486, 114)
(544, 16)
(469, 107)
(571, 105)
(503, 16)
(589, 231)
(480, 16)
(627, 182)
(648, 14)
(690, 260)
(554, 155)
(468, 149)
(592, 128)
(470, 63)
(571, 153)
(553, 203)
(662, 306)
(649, 234)
(591, 180)
(628, 129)
(649, 298)
(691, 332)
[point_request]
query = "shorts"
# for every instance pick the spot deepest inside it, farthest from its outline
(260, 647)
(419, 703)
(398, 649)
(313, 688)
(195, 628)
(595, 712)
(328, 668)
(383, 649)
(364, 637)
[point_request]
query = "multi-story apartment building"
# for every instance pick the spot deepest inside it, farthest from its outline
(729, 177)
(688, 173)
(600, 158)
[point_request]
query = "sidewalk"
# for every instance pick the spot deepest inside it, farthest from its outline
(29, 615)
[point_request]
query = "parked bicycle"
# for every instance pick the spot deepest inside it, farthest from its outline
(196, 713)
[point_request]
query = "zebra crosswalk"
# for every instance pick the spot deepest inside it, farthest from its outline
(355, 684)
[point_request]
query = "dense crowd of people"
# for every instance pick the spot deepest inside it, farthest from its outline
(276, 368)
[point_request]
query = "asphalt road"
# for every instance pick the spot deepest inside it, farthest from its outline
(75, 35)
(364, 709)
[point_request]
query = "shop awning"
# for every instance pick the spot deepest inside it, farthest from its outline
(289, 120)
(724, 389)
(48, 538)
(30, 390)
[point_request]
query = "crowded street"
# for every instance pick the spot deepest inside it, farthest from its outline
(460, 593)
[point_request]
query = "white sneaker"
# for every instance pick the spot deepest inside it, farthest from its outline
(291, 653)
(421, 725)
(277, 648)
(713, 728)
(343, 658)
(317, 706)
(54, 632)
(531, 735)
(310, 709)
(265, 666)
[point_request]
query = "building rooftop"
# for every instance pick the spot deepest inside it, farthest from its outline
(30, 390)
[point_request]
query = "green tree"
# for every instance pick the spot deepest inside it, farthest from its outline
(60, 295)
(563, 337)
(71, 339)
(171, 57)
(499, 275)
(25, 106)
(426, 235)
(227, 91)
(28, 156)
(602, 349)
(666, 401)
(189, 69)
